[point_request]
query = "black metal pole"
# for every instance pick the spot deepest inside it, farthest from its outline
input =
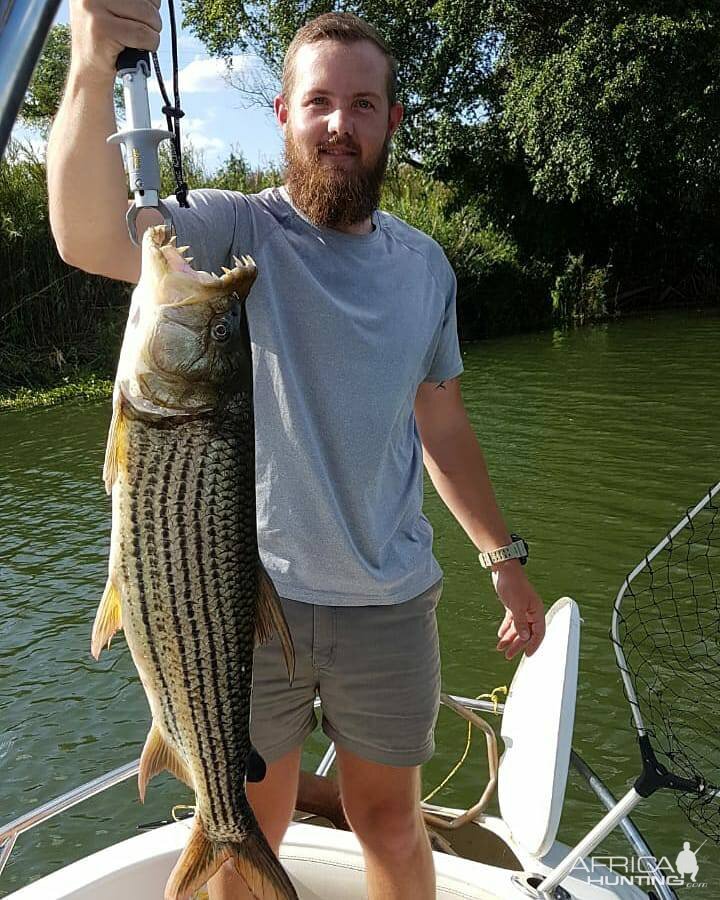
(24, 25)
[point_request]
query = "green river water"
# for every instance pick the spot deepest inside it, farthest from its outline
(597, 441)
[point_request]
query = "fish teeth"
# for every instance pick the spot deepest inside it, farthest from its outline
(182, 250)
(225, 270)
(172, 239)
(244, 262)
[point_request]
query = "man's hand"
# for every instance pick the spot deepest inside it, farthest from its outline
(523, 627)
(101, 29)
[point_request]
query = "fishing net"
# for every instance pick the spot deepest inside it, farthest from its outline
(666, 631)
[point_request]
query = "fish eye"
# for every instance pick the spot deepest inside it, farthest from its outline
(220, 332)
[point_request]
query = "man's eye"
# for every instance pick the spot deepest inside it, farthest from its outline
(317, 100)
(365, 104)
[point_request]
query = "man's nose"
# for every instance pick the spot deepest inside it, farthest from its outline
(340, 122)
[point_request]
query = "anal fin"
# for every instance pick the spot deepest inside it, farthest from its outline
(157, 756)
(270, 619)
(108, 619)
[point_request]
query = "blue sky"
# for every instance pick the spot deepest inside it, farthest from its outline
(215, 118)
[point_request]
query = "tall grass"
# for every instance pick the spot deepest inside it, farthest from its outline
(54, 319)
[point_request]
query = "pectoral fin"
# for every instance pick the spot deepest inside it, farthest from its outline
(270, 619)
(115, 449)
(157, 756)
(108, 619)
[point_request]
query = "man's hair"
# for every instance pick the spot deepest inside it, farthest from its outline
(346, 28)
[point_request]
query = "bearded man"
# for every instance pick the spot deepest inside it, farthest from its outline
(356, 367)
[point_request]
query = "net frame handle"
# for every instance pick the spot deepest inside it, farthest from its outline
(591, 840)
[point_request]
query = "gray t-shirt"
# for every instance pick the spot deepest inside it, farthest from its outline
(344, 329)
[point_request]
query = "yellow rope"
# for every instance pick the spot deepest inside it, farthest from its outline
(178, 806)
(493, 697)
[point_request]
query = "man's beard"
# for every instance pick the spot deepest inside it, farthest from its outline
(333, 196)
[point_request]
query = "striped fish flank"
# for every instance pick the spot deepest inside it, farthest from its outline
(185, 580)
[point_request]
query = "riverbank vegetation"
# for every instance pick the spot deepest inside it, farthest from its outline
(82, 387)
(566, 158)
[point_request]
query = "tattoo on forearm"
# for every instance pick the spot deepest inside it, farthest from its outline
(440, 387)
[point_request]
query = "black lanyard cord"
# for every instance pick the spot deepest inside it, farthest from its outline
(173, 113)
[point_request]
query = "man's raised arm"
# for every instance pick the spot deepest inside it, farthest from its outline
(87, 186)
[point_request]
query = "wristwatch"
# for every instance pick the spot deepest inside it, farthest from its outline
(517, 550)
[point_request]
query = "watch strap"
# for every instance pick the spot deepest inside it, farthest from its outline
(518, 549)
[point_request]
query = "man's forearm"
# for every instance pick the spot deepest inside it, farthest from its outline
(464, 485)
(456, 465)
(86, 180)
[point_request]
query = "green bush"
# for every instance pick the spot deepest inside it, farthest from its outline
(235, 174)
(498, 293)
(580, 294)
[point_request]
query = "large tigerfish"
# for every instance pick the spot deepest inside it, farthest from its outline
(186, 583)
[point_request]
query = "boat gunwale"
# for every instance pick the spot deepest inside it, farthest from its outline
(13, 829)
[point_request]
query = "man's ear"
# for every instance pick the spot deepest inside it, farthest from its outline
(395, 117)
(281, 111)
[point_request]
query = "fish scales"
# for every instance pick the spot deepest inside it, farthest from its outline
(185, 580)
(195, 578)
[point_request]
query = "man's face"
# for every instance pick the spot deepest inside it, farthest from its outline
(337, 127)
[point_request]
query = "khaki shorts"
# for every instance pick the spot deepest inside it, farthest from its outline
(376, 670)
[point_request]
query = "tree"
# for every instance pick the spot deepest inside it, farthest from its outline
(598, 101)
(443, 50)
(618, 102)
(582, 130)
(46, 86)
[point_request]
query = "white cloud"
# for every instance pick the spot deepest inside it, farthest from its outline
(194, 132)
(188, 43)
(187, 124)
(204, 75)
(201, 141)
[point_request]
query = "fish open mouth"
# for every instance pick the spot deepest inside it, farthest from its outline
(177, 261)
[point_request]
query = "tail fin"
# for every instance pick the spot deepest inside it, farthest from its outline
(254, 861)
